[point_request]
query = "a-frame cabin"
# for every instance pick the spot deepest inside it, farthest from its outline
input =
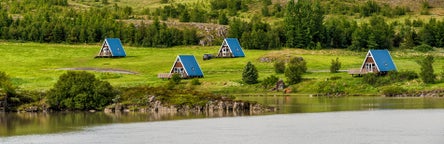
(230, 48)
(111, 47)
(378, 61)
(187, 67)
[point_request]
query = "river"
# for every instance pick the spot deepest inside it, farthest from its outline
(366, 120)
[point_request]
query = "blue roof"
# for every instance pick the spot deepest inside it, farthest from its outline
(190, 65)
(116, 47)
(383, 60)
(235, 47)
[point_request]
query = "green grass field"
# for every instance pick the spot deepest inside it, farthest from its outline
(35, 66)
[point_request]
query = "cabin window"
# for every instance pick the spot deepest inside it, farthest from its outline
(178, 70)
(369, 67)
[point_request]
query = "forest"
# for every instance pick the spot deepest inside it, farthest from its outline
(308, 24)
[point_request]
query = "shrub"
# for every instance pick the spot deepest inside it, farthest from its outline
(296, 67)
(250, 74)
(427, 74)
(393, 91)
(176, 78)
(330, 88)
(371, 79)
(195, 81)
(279, 67)
(335, 65)
(269, 81)
(80, 91)
(423, 48)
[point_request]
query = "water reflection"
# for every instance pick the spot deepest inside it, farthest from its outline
(41, 123)
(304, 104)
(12, 124)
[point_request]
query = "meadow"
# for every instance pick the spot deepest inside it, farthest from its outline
(37, 66)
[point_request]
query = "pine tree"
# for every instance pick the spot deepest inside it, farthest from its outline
(303, 23)
(427, 74)
(250, 74)
(335, 65)
(222, 19)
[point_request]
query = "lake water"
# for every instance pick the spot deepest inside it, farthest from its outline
(366, 120)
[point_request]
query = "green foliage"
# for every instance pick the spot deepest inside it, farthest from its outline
(41, 24)
(335, 65)
(255, 34)
(410, 37)
(425, 7)
(279, 67)
(195, 81)
(330, 88)
(369, 8)
(295, 68)
(423, 48)
(6, 87)
(176, 78)
(303, 23)
(339, 32)
(376, 34)
(270, 81)
(391, 77)
(427, 73)
(223, 19)
(80, 91)
(164, 1)
(250, 74)
(390, 91)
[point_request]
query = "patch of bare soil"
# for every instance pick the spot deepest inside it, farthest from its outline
(100, 70)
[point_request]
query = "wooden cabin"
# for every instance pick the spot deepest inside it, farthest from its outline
(230, 48)
(111, 47)
(186, 66)
(376, 61)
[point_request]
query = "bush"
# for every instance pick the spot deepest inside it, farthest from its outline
(250, 74)
(279, 67)
(195, 81)
(335, 65)
(427, 74)
(270, 81)
(80, 91)
(375, 79)
(330, 88)
(296, 67)
(423, 48)
(176, 78)
(393, 91)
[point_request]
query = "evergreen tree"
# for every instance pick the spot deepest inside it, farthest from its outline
(295, 68)
(250, 74)
(303, 23)
(335, 65)
(222, 18)
(427, 73)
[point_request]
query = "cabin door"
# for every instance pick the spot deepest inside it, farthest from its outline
(179, 70)
(225, 51)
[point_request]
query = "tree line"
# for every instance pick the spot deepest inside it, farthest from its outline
(303, 26)
(51, 23)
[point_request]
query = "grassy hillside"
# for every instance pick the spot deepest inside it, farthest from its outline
(35, 66)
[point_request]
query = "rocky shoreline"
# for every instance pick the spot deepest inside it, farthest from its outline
(429, 93)
(211, 106)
